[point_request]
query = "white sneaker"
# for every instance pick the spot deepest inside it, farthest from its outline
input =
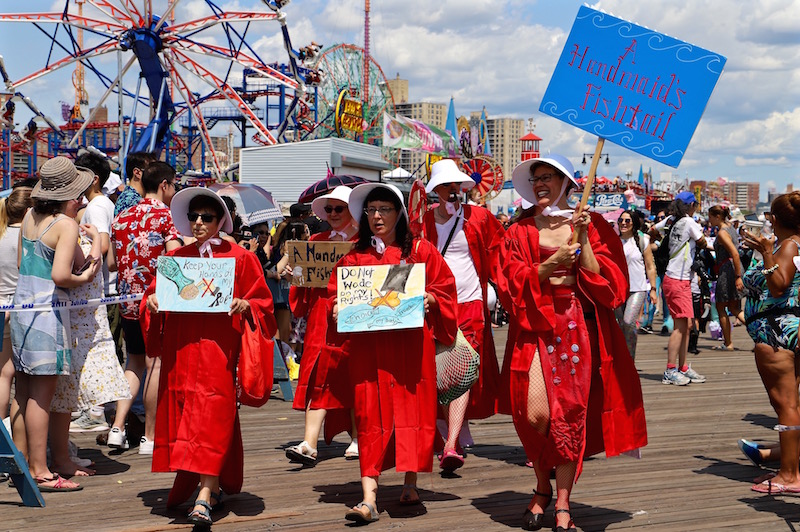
(146, 446)
(118, 439)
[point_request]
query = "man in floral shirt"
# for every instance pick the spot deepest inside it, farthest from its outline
(140, 234)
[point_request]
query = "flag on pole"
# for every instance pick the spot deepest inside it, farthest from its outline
(641, 175)
(484, 134)
(450, 123)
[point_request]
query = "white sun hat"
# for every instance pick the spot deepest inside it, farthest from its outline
(446, 171)
(360, 193)
(521, 174)
(179, 206)
(341, 193)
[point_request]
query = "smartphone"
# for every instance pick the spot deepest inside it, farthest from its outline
(87, 264)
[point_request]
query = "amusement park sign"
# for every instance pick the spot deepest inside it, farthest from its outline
(628, 84)
(349, 114)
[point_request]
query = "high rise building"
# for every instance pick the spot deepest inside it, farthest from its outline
(399, 88)
(745, 195)
(504, 136)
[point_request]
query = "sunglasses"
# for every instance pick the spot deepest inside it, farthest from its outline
(339, 209)
(207, 218)
(620, 222)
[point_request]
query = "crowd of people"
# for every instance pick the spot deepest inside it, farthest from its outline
(574, 290)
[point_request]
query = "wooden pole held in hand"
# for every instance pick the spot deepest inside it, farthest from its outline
(587, 188)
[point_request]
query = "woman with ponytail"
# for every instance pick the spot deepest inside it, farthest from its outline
(728, 269)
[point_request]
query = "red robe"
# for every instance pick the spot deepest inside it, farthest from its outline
(197, 422)
(615, 418)
(484, 235)
(393, 373)
(323, 379)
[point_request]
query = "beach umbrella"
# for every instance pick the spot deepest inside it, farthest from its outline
(254, 204)
(323, 186)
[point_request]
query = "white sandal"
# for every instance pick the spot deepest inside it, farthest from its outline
(351, 453)
(303, 453)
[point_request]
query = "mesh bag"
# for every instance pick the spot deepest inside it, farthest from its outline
(456, 369)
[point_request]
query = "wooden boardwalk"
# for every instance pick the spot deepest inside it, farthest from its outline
(691, 475)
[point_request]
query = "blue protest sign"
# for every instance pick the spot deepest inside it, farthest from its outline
(631, 85)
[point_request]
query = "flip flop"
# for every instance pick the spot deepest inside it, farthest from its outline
(357, 516)
(723, 348)
(351, 453)
(60, 484)
(774, 488)
(303, 453)
(451, 461)
(405, 497)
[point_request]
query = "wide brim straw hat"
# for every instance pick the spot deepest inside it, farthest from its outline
(179, 206)
(341, 193)
(446, 171)
(360, 193)
(520, 176)
(61, 180)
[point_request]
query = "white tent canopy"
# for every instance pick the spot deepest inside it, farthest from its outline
(398, 172)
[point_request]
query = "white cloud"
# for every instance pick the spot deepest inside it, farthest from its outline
(501, 55)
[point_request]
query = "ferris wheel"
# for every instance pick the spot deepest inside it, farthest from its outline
(192, 73)
(347, 67)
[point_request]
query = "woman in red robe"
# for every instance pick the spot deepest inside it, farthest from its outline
(574, 388)
(322, 391)
(197, 422)
(393, 373)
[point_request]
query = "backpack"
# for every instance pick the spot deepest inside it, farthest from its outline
(661, 254)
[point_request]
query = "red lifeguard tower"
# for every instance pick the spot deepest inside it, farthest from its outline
(530, 146)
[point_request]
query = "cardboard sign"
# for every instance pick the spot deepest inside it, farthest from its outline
(631, 85)
(379, 298)
(185, 284)
(312, 261)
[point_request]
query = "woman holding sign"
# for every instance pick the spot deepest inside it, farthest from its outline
(197, 423)
(393, 372)
(322, 387)
(574, 388)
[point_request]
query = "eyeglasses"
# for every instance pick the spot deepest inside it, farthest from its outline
(659, 218)
(383, 211)
(207, 218)
(620, 222)
(339, 209)
(544, 178)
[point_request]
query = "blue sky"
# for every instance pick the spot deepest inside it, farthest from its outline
(501, 54)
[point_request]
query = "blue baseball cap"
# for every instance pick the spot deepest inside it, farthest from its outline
(686, 197)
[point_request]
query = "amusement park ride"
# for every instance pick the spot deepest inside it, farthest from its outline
(192, 74)
(184, 66)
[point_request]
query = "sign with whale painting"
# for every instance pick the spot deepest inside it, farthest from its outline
(186, 284)
(381, 297)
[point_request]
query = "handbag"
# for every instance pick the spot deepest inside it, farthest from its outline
(255, 365)
(457, 369)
